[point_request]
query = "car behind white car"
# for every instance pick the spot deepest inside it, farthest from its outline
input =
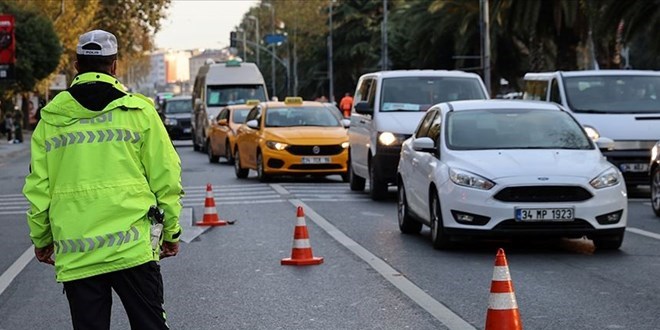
(506, 169)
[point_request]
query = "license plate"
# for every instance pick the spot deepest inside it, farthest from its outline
(186, 130)
(558, 214)
(316, 160)
(634, 167)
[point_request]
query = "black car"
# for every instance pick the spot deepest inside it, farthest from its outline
(176, 113)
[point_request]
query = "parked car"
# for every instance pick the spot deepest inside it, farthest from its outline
(623, 105)
(508, 168)
(293, 137)
(176, 113)
(222, 131)
(387, 106)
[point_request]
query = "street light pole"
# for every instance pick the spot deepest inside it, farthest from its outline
(256, 20)
(272, 59)
(331, 77)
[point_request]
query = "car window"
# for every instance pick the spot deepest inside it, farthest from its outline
(254, 114)
(613, 94)
(362, 92)
(420, 93)
(222, 95)
(424, 124)
(514, 129)
(535, 90)
(554, 92)
(240, 115)
(223, 114)
(178, 106)
(301, 116)
(434, 130)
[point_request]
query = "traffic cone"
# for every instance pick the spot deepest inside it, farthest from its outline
(210, 213)
(503, 311)
(301, 253)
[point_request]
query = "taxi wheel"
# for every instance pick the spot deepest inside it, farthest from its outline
(356, 182)
(241, 172)
(655, 191)
(407, 224)
(377, 188)
(439, 239)
(261, 173)
(228, 156)
(212, 158)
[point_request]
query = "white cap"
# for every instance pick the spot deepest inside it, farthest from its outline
(97, 43)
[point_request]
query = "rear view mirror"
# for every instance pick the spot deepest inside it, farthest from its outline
(424, 144)
(604, 143)
(346, 123)
(254, 124)
(364, 108)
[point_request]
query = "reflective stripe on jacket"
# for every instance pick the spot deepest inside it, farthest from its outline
(94, 175)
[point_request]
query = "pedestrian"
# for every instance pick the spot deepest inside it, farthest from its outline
(346, 104)
(18, 126)
(101, 163)
(9, 126)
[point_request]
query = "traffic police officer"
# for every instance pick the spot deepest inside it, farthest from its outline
(101, 158)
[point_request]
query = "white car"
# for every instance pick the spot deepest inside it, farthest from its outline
(508, 168)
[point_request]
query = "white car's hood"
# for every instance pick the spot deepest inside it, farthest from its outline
(497, 164)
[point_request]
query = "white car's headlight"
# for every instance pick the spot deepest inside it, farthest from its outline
(468, 179)
(276, 145)
(170, 121)
(390, 139)
(607, 178)
(345, 145)
(592, 133)
(654, 151)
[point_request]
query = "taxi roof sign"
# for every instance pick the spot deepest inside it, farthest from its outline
(293, 100)
(252, 102)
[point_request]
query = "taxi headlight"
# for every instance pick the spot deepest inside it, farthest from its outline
(607, 178)
(468, 179)
(276, 145)
(592, 133)
(170, 122)
(390, 139)
(345, 145)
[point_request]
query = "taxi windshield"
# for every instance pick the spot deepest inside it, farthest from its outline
(301, 116)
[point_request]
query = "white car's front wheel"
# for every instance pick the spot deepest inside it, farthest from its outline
(407, 224)
(655, 191)
(439, 238)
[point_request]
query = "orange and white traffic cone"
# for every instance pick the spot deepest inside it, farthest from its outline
(301, 254)
(210, 213)
(503, 311)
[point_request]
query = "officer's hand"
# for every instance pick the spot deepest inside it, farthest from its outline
(169, 249)
(45, 254)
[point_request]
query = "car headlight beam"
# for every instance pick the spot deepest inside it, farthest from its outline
(607, 178)
(170, 121)
(390, 139)
(276, 145)
(468, 179)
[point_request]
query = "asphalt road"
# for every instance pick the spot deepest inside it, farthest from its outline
(373, 277)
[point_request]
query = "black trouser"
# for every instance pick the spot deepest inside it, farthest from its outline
(141, 292)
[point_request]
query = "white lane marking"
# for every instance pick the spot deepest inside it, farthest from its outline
(423, 299)
(10, 274)
(279, 189)
(643, 232)
(24, 212)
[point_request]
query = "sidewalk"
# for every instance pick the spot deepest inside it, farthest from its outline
(8, 150)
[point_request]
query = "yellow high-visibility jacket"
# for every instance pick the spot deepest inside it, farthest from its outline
(100, 158)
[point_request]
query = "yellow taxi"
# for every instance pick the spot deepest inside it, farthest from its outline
(293, 137)
(222, 131)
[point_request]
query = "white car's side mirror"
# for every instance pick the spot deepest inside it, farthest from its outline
(254, 124)
(346, 123)
(423, 144)
(604, 143)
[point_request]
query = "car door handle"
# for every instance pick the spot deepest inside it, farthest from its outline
(362, 121)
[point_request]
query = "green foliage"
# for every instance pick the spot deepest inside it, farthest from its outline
(38, 48)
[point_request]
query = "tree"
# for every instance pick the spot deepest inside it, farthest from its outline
(38, 53)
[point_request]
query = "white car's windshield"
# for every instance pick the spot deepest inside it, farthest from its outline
(514, 129)
(420, 93)
(614, 94)
(222, 95)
